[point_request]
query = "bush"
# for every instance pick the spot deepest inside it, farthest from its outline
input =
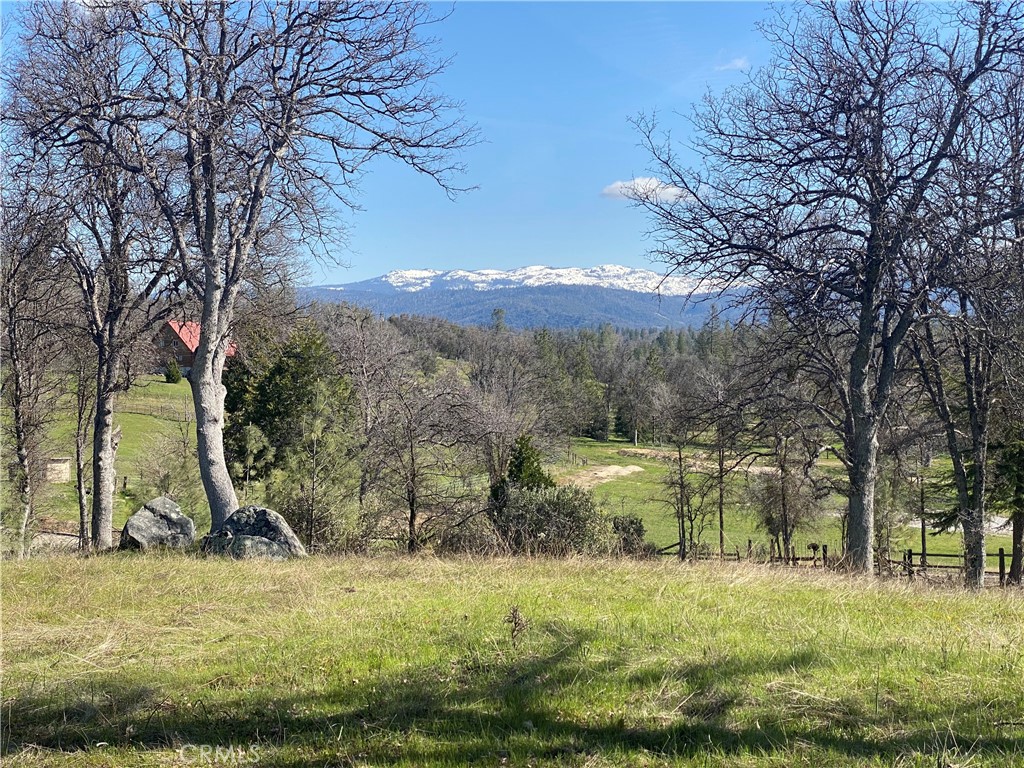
(630, 534)
(172, 372)
(337, 528)
(524, 471)
(551, 521)
(475, 536)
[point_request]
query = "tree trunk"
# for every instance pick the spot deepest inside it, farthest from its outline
(974, 550)
(21, 446)
(24, 495)
(923, 511)
(104, 450)
(787, 534)
(721, 497)
(83, 505)
(1017, 556)
(414, 539)
(208, 395)
(682, 533)
(860, 529)
(974, 525)
(83, 415)
(682, 502)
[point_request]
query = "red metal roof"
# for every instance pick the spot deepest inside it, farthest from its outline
(188, 332)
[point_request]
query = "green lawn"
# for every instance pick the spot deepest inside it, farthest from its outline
(130, 660)
(642, 494)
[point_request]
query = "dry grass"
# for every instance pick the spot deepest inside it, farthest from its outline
(128, 660)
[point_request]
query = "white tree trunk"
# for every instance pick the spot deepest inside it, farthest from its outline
(25, 497)
(104, 477)
(25, 469)
(208, 394)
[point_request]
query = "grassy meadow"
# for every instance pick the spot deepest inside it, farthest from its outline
(641, 493)
(138, 660)
(155, 418)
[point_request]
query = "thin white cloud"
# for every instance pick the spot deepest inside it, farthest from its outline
(645, 187)
(741, 64)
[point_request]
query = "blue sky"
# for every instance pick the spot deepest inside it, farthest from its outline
(551, 87)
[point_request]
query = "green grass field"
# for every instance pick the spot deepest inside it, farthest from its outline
(642, 494)
(131, 660)
(149, 414)
(153, 413)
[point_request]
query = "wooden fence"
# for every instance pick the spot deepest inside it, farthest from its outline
(923, 564)
(911, 565)
(168, 411)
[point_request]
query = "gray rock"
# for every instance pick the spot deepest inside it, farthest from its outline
(244, 547)
(249, 524)
(159, 523)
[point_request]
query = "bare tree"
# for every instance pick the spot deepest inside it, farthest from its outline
(688, 494)
(370, 354)
(969, 332)
(122, 273)
(421, 451)
(416, 433)
(508, 395)
(724, 384)
(821, 178)
(260, 97)
(79, 370)
(31, 300)
(120, 259)
(246, 118)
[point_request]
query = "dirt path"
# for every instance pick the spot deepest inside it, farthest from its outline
(697, 461)
(594, 476)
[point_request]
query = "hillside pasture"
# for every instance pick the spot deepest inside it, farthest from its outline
(140, 660)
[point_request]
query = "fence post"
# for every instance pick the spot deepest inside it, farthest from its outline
(824, 555)
(792, 556)
(1002, 567)
(750, 549)
(908, 563)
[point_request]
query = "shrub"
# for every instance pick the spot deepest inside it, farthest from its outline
(551, 521)
(172, 372)
(524, 471)
(475, 536)
(630, 534)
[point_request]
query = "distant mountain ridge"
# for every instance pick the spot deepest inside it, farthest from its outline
(603, 276)
(535, 296)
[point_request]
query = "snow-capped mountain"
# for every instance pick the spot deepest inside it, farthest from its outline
(604, 276)
(556, 297)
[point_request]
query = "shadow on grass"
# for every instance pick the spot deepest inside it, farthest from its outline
(507, 704)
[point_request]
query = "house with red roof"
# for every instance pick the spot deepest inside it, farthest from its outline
(179, 340)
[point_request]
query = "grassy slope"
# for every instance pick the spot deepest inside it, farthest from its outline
(151, 409)
(121, 660)
(639, 494)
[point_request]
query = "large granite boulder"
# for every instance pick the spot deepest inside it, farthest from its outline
(159, 523)
(244, 547)
(255, 532)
